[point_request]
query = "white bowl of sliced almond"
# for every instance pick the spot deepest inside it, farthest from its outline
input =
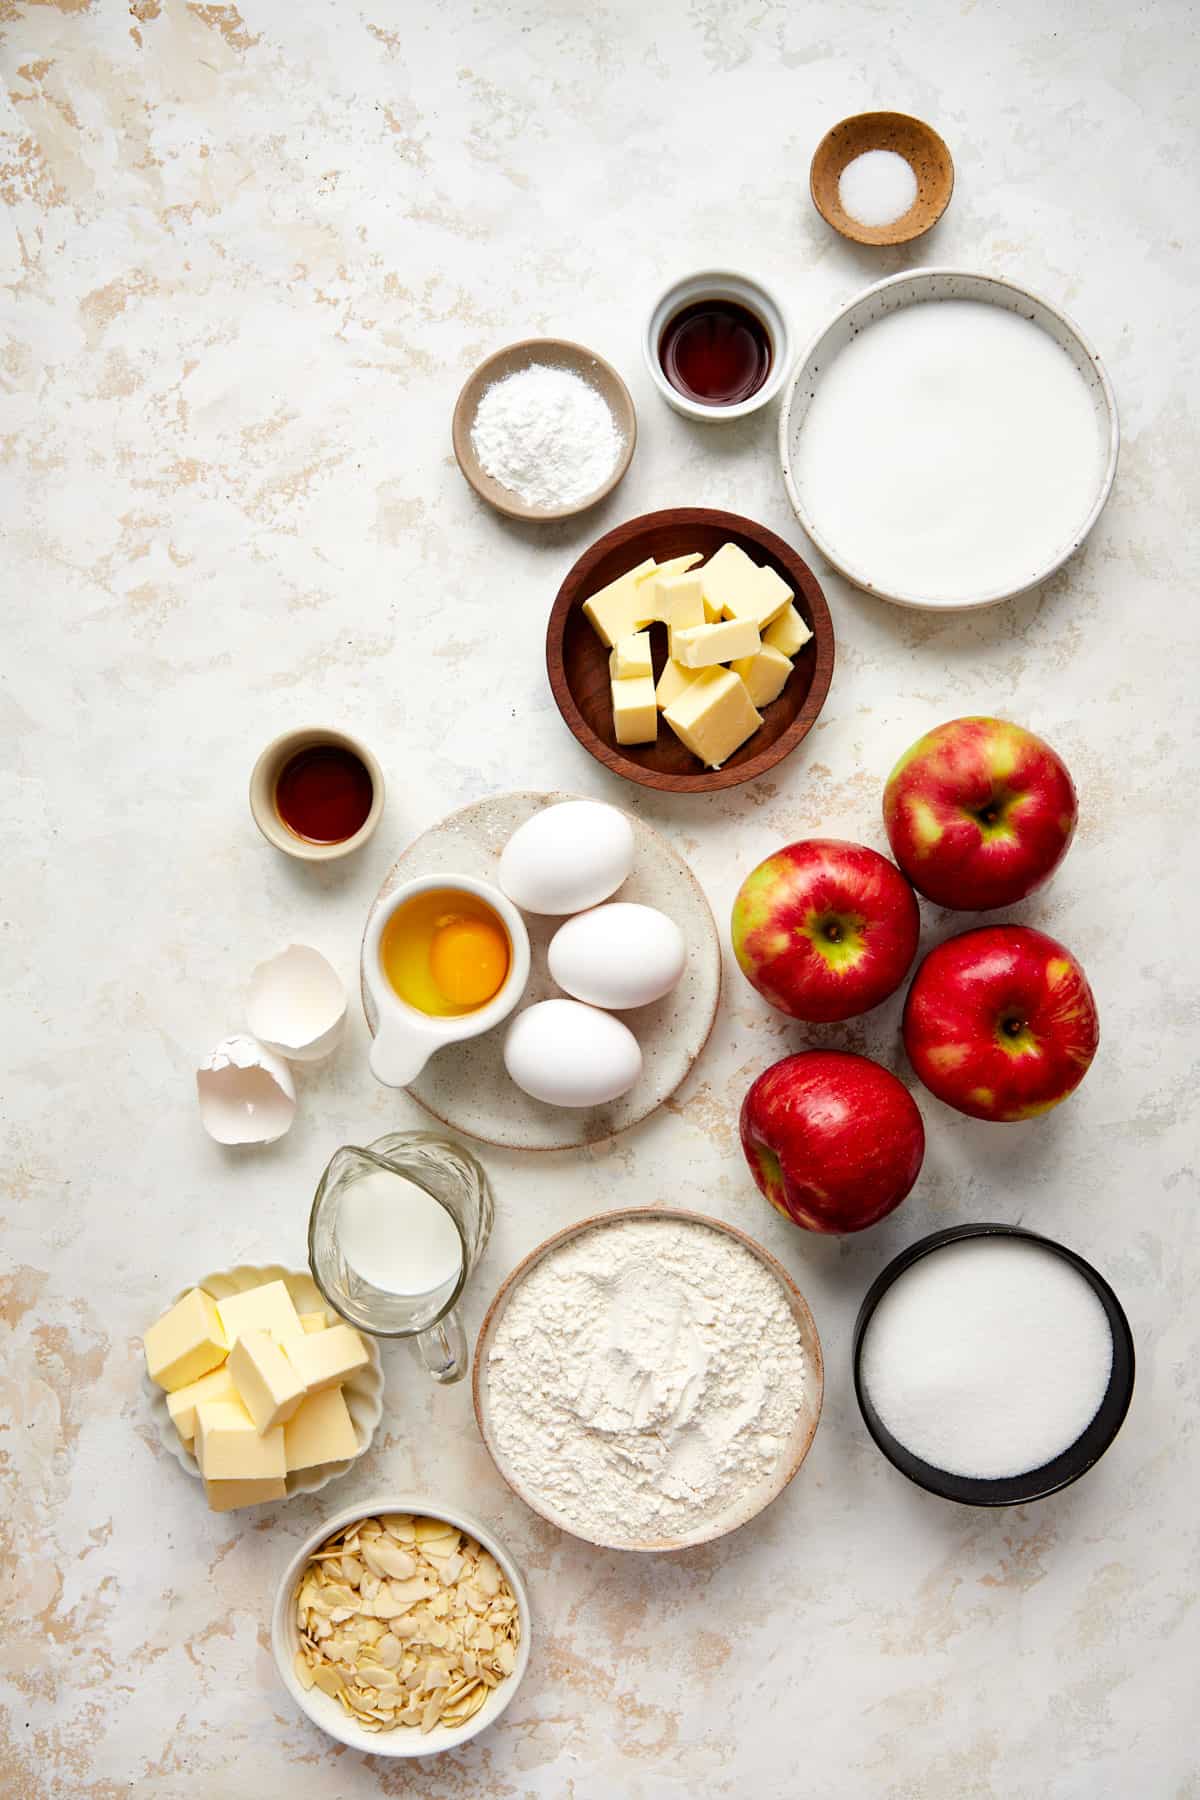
(401, 1627)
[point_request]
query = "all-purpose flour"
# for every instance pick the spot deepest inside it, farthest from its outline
(644, 1378)
(546, 435)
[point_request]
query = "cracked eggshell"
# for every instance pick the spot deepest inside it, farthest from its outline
(245, 1093)
(297, 1004)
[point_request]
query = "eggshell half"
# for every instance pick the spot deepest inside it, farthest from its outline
(297, 1004)
(245, 1093)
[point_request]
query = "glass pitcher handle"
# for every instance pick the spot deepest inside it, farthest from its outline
(443, 1349)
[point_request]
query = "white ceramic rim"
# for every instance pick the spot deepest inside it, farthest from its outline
(325, 1713)
(720, 284)
(363, 1392)
(453, 1029)
(926, 277)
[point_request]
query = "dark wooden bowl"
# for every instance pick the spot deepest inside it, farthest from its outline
(577, 662)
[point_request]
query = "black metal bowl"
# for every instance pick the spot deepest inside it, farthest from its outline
(1034, 1484)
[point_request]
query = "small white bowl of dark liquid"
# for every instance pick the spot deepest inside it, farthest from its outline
(717, 345)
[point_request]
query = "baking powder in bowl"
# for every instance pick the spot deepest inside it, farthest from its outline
(644, 1378)
(546, 435)
(988, 1357)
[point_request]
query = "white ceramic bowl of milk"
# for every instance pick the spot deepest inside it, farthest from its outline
(948, 440)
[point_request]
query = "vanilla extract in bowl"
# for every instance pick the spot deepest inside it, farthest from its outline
(715, 351)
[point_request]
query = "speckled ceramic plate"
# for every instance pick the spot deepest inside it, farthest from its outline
(466, 1085)
(793, 1449)
(363, 1393)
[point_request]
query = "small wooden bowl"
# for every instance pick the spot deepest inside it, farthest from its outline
(921, 148)
(577, 662)
(554, 353)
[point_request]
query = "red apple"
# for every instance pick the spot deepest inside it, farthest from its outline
(825, 930)
(979, 813)
(1001, 1022)
(834, 1141)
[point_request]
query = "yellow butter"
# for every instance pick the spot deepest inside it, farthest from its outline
(225, 1496)
(268, 1385)
(230, 1448)
(713, 716)
(787, 632)
(329, 1357)
(680, 602)
(266, 1308)
(635, 715)
(631, 657)
(314, 1321)
(186, 1342)
(621, 607)
(765, 674)
(703, 646)
(739, 589)
(321, 1431)
(183, 1402)
(672, 682)
(674, 565)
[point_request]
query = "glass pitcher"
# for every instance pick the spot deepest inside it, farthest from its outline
(395, 1231)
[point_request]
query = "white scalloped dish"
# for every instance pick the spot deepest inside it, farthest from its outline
(363, 1392)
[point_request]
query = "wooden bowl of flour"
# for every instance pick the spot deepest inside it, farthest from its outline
(793, 1444)
(551, 353)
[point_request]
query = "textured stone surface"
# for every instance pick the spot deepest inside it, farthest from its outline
(249, 259)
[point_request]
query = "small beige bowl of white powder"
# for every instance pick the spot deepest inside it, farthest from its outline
(544, 429)
(648, 1380)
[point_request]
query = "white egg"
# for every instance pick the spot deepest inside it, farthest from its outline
(246, 1093)
(567, 857)
(571, 1055)
(618, 956)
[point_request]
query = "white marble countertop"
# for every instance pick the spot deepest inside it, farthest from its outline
(249, 260)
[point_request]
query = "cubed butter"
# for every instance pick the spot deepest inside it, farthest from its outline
(266, 1308)
(713, 716)
(328, 1357)
(230, 1448)
(186, 1342)
(765, 674)
(322, 1431)
(674, 565)
(269, 1387)
(225, 1496)
(739, 589)
(703, 646)
(183, 1402)
(631, 657)
(635, 715)
(672, 682)
(623, 606)
(680, 602)
(787, 632)
(314, 1321)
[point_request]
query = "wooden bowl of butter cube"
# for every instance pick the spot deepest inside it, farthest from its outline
(690, 650)
(258, 1389)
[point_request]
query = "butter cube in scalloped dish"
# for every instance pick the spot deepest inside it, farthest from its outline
(765, 674)
(714, 716)
(631, 657)
(227, 1496)
(230, 1448)
(329, 1357)
(186, 1343)
(321, 1432)
(313, 1321)
(635, 714)
(267, 1383)
(787, 632)
(268, 1307)
(182, 1404)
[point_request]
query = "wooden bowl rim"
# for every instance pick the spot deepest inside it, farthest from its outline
(881, 236)
(705, 781)
(801, 1312)
(610, 386)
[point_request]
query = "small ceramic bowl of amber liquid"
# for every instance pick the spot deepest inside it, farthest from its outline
(316, 794)
(717, 346)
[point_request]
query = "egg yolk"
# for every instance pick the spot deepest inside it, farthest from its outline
(468, 959)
